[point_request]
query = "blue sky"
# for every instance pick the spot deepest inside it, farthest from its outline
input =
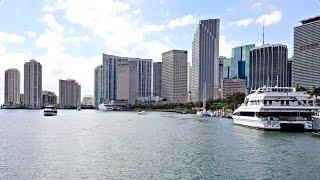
(69, 36)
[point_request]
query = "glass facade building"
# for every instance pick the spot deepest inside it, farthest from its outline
(240, 62)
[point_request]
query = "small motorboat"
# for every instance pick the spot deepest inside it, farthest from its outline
(50, 111)
(142, 113)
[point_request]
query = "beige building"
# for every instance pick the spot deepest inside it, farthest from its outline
(126, 86)
(12, 87)
(69, 94)
(175, 76)
(32, 85)
(233, 86)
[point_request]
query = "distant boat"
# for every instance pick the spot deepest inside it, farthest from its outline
(106, 107)
(79, 109)
(50, 111)
(142, 113)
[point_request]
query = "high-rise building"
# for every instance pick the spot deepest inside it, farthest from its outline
(99, 91)
(189, 81)
(49, 99)
(32, 84)
(12, 87)
(268, 66)
(157, 73)
(144, 70)
(175, 76)
(106, 78)
(240, 62)
(221, 61)
(306, 61)
(126, 82)
(205, 60)
(290, 72)
(69, 94)
(227, 68)
(233, 86)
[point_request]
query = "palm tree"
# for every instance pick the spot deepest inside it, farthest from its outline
(315, 92)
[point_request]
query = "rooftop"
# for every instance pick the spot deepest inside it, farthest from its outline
(310, 20)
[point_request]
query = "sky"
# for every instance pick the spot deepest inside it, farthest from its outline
(68, 37)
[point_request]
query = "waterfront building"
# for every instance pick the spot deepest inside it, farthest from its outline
(205, 60)
(99, 91)
(306, 61)
(175, 76)
(32, 84)
(157, 73)
(126, 82)
(290, 72)
(69, 94)
(49, 99)
(240, 62)
(268, 66)
(12, 87)
(22, 100)
(233, 86)
(87, 101)
(106, 78)
(189, 81)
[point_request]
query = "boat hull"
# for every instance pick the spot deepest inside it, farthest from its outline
(258, 123)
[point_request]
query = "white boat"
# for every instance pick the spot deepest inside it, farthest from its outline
(142, 112)
(277, 108)
(106, 107)
(50, 111)
(203, 111)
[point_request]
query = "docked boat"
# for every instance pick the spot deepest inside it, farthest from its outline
(106, 107)
(50, 111)
(277, 108)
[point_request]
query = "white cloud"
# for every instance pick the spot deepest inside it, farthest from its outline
(226, 46)
(11, 38)
(183, 21)
(31, 34)
(244, 22)
(2, 49)
(270, 19)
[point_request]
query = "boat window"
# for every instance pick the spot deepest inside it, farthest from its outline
(251, 114)
(287, 102)
(282, 102)
(270, 102)
(265, 102)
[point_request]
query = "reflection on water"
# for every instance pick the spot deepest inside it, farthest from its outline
(124, 145)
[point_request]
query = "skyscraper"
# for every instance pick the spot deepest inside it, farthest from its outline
(268, 66)
(12, 87)
(205, 60)
(126, 82)
(306, 61)
(290, 72)
(157, 73)
(175, 76)
(32, 84)
(240, 62)
(106, 78)
(69, 94)
(98, 86)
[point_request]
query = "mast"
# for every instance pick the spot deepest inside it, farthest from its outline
(204, 96)
(263, 31)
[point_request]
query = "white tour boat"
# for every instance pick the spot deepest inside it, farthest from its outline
(50, 111)
(106, 107)
(277, 108)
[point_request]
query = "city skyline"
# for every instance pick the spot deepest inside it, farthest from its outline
(57, 38)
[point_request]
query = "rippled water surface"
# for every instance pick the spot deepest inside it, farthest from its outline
(124, 145)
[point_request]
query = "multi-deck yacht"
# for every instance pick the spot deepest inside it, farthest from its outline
(277, 108)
